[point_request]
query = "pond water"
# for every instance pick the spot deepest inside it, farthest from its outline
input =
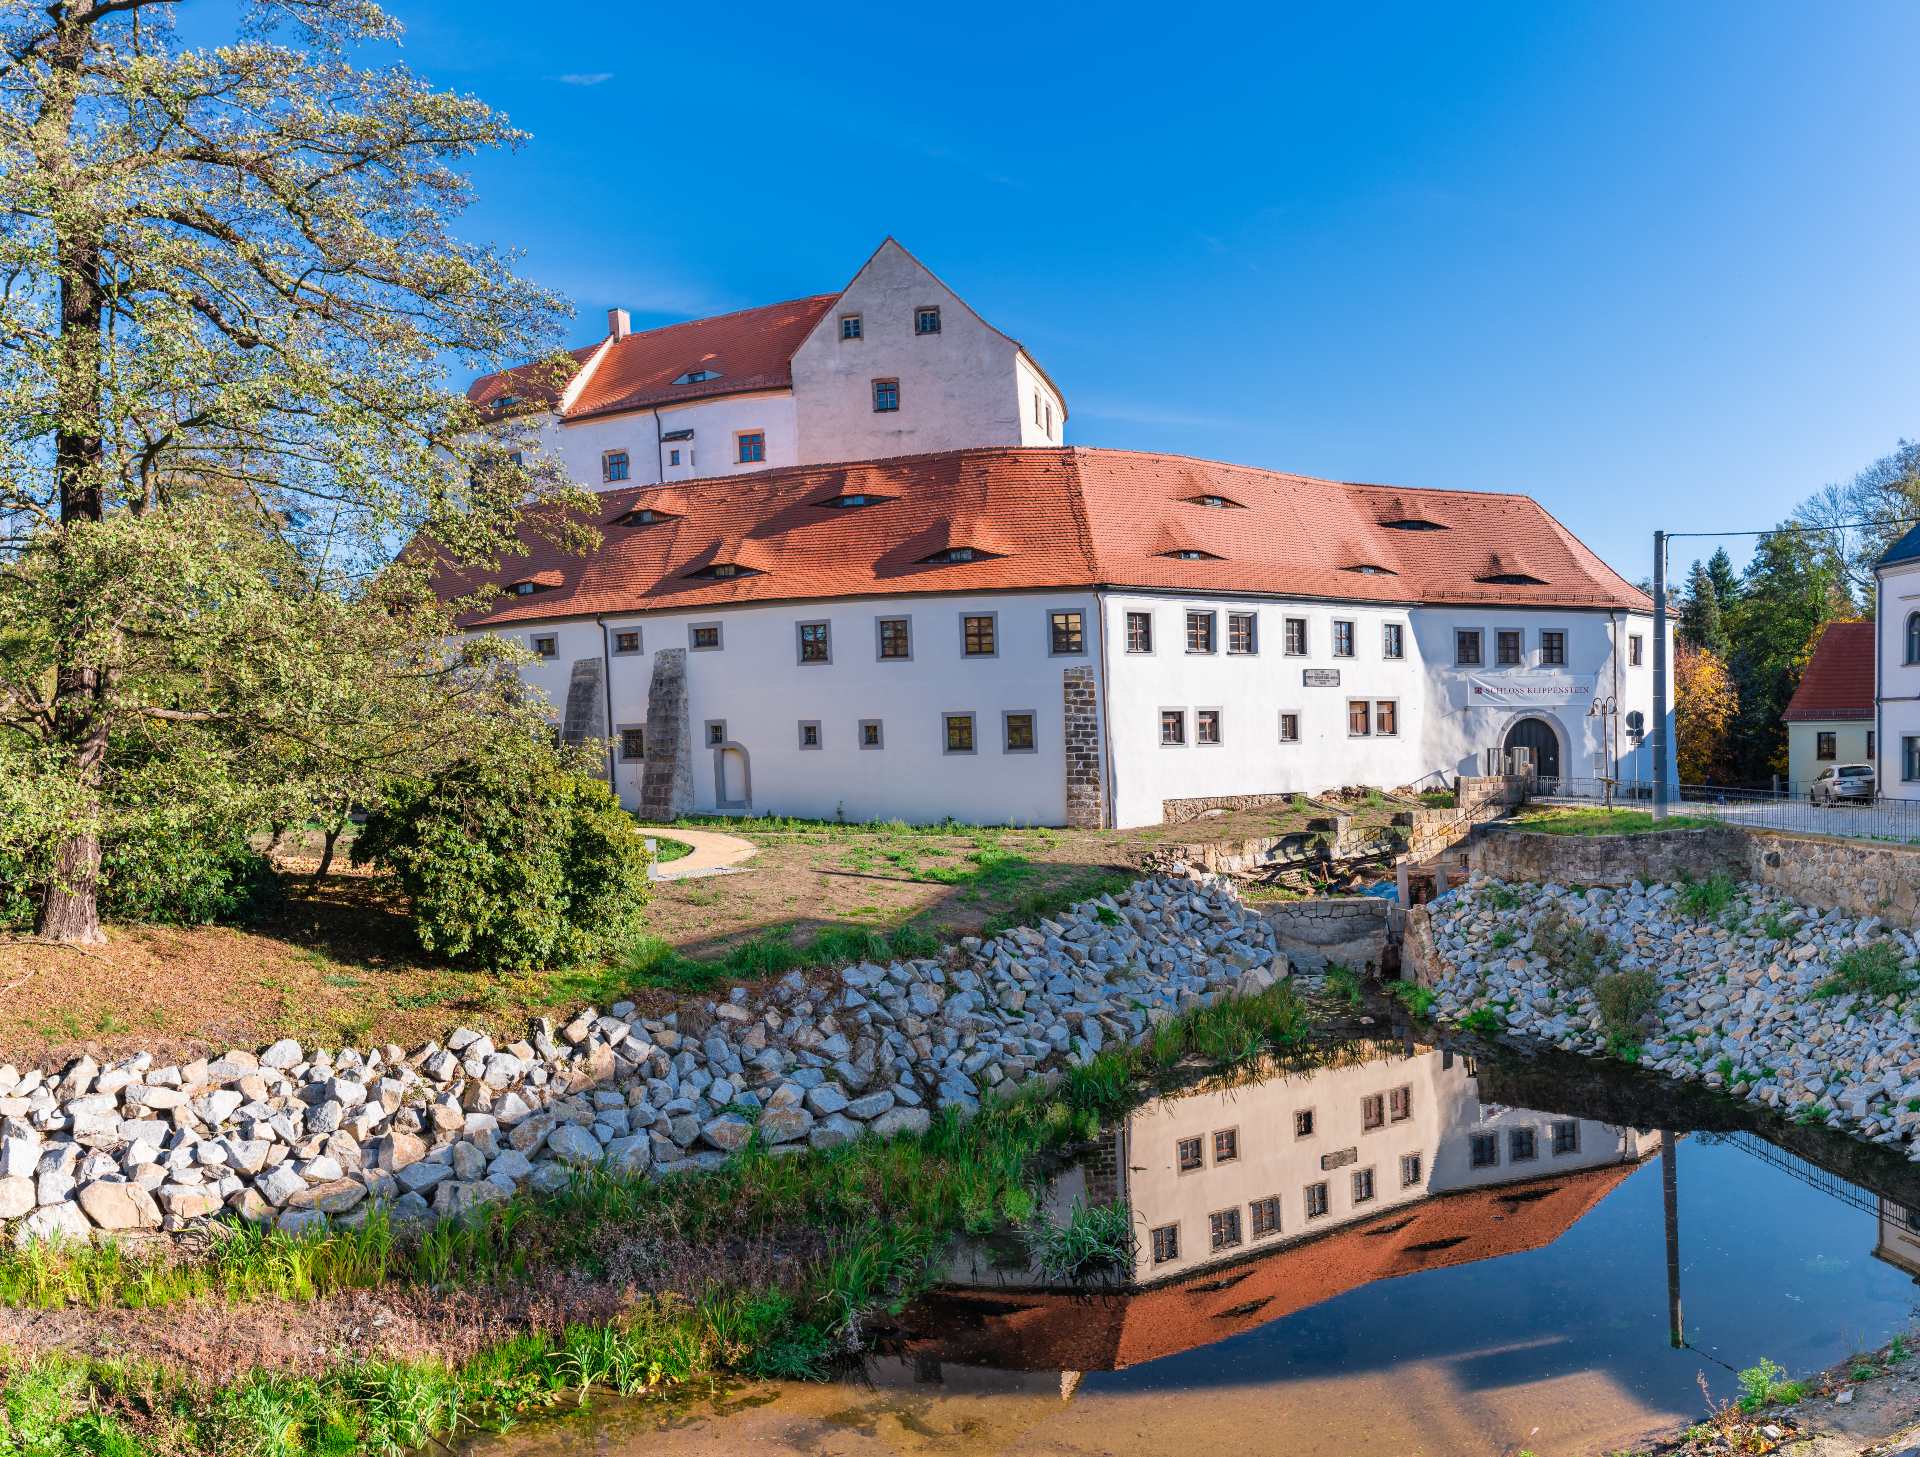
(1471, 1257)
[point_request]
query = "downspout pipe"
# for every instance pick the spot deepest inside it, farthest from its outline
(659, 451)
(1110, 814)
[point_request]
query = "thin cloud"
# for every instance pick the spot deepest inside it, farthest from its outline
(584, 78)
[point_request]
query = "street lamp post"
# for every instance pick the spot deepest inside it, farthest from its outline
(1604, 709)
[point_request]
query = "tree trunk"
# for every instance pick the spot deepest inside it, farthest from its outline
(70, 910)
(332, 834)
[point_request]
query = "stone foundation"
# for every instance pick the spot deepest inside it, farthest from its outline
(1086, 790)
(1357, 931)
(666, 779)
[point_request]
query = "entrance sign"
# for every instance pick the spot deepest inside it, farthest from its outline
(1320, 677)
(1526, 688)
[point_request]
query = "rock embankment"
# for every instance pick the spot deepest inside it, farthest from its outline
(299, 1137)
(1812, 1013)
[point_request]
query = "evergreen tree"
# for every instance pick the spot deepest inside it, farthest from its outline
(1701, 626)
(1726, 585)
(1792, 588)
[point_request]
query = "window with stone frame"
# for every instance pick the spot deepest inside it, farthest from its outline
(1316, 1200)
(1342, 638)
(1566, 1136)
(1296, 637)
(1359, 718)
(1173, 727)
(1241, 633)
(1393, 640)
(1522, 1145)
(1507, 644)
(633, 744)
(1226, 1145)
(1199, 632)
(1166, 1243)
(959, 733)
(1189, 1155)
(1483, 1150)
(1264, 1216)
(1466, 647)
(896, 638)
(1362, 1186)
(1373, 1111)
(1553, 649)
(1206, 726)
(816, 643)
(1400, 1104)
(1139, 632)
(1066, 632)
(977, 635)
(1223, 1229)
(1410, 1169)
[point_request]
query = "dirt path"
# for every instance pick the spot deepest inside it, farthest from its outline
(713, 852)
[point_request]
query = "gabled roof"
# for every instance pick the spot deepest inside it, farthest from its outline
(1062, 517)
(1838, 681)
(1906, 549)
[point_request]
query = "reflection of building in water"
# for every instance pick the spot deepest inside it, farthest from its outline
(1897, 1235)
(1216, 1174)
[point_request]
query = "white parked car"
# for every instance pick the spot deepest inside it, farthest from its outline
(1842, 783)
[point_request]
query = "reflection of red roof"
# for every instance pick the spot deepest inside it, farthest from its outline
(1838, 681)
(1069, 517)
(1045, 1331)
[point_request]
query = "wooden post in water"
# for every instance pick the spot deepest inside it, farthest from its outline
(1669, 1196)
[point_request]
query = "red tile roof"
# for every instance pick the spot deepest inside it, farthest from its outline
(749, 350)
(1055, 518)
(1838, 681)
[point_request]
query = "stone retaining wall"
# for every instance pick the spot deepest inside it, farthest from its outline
(1354, 930)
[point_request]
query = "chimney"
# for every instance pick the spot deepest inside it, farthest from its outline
(619, 325)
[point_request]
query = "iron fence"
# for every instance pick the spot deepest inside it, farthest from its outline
(1895, 820)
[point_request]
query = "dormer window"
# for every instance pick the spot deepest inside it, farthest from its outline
(524, 589)
(527, 586)
(615, 466)
(698, 376)
(506, 402)
(723, 570)
(645, 516)
(853, 500)
(1414, 523)
(926, 321)
(1190, 554)
(1368, 569)
(1511, 579)
(1216, 503)
(957, 554)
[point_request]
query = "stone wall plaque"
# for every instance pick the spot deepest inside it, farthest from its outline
(1320, 677)
(1339, 1158)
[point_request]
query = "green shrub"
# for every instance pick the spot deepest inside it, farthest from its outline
(1417, 999)
(1705, 899)
(1575, 955)
(1483, 1020)
(512, 860)
(1626, 997)
(1094, 1240)
(1869, 971)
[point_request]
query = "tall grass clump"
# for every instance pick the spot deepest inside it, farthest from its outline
(1875, 970)
(1093, 1240)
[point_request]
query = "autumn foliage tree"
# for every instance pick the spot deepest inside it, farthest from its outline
(1706, 704)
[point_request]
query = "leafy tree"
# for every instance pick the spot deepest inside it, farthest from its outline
(230, 289)
(1705, 706)
(512, 858)
(1792, 588)
(1700, 620)
(1886, 495)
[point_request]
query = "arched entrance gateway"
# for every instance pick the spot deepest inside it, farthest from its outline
(1537, 735)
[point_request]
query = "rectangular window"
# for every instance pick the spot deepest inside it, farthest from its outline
(1909, 758)
(1400, 1105)
(716, 732)
(1507, 648)
(1393, 641)
(1466, 647)
(1343, 639)
(1226, 1145)
(1566, 1137)
(704, 637)
(1409, 1170)
(546, 647)
(1483, 1150)
(614, 466)
(1362, 1186)
(1066, 633)
(1296, 646)
(1166, 1243)
(1139, 632)
(926, 321)
(1521, 1145)
(1173, 726)
(959, 733)
(977, 636)
(816, 645)
(1199, 632)
(1019, 732)
(627, 641)
(1359, 718)
(896, 639)
(886, 396)
(1825, 746)
(1373, 1111)
(849, 326)
(633, 744)
(1264, 1216)
(1189, 1154)
(1386, 717)
(1224, 1229)
(1289, 728)
(870, 733)
(1635, 647)
(1869, 743)
(1553, 649)
(1316, 1200)
(1303, 1123)
(1240, 632)
(753, 446)
(673, 456)
(810, 733)
(1206, 726)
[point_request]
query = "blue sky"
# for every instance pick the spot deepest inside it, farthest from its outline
(1654, 264)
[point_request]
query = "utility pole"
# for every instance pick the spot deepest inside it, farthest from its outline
(1660, 748)
(1670, 1202)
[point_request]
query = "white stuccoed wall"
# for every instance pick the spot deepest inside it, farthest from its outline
(1898, 681)
(580, 445)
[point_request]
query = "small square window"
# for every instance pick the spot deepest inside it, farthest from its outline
(633, 745)
(1241, 632)
(1303, 1123)
(1066, 633)
(1410, 1170)
(870, 734)
(1393, 640)
(1362, 1186)
(1636, 647)
(849, 326)
(1019, 733)
(1483, 1150)
(1359, 718)
(1343, 639)
(1199, 632)
(1553, 649)
(627, 640)
(886, 396)
(1226, 1145)
(1289, 727)
(1826, 746)
(896, 639)
(1296, 646)
(1566, 1136)
(1466, 647)
(1166, 1243)
(615, 466)
(1521, 1145)
(1206, 726)
(1386, 717)
(1264, 1216)
(1909, 758)
(545, 646)
(716, 732)
(1173, 726)
(1224, 1229)
(1316, 1200)
(959, 733)
(1373, 1111)
(1400, 1105)
(704, 637)
(753, 446)
(816, 642)
(1189, 1154)
(673, 456)
(1507, 648)
(810, 733)
(926, 321)
(978, 635)
(1139, 632)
